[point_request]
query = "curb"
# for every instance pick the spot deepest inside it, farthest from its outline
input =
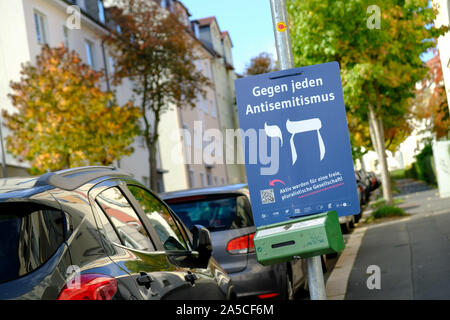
(336, 286)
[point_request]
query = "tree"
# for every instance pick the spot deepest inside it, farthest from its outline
(262, 63)
(378, 46)
(63, 118)
(157, 53)
(431, 101)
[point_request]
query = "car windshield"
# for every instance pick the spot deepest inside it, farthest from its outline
(214, 214)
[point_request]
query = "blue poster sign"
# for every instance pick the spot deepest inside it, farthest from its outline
(296, 143)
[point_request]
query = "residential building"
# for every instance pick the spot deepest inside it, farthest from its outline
(224, 76)
(443, 19)
(185, 148)
(39, 22)
(26, 25)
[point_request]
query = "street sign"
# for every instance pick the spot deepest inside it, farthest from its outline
(296, 143)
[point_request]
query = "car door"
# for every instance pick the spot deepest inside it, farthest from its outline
(136, 247)
(176, 243)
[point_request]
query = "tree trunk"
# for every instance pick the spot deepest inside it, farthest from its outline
(152, 148)
(152, 166)
(378, 132)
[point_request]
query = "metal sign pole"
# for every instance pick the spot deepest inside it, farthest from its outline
(3, 149)
(286, 61)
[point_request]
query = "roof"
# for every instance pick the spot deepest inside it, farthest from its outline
(207, 21)
(203, 191)
(225, 34)
(68, 179)
(185, 8)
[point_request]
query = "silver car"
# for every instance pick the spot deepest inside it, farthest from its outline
(226, 212)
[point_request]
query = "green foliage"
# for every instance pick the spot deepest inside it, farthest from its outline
(381, 202)
(423, 169)
(262, 63)
(388, 211)
(379, 67)
(398, 174)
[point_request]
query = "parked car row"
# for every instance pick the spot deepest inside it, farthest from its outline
(95, 233)
(366, 182)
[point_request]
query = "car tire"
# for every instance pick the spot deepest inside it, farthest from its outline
(352, 222)
(345, 227)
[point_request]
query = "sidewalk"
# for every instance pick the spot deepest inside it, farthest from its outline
(413, 253)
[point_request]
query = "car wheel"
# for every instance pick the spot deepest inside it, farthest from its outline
(352, 222)
(345, 227)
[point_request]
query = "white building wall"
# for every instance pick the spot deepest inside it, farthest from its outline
(443, 18)
(14, 49)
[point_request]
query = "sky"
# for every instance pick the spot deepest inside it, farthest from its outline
(249, 23)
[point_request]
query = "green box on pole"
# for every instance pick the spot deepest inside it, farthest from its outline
(303, 237)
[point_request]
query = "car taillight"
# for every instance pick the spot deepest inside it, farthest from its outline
(268, 295)
(90, 287)
(241, 245)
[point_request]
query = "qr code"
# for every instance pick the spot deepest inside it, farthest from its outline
(267, 196)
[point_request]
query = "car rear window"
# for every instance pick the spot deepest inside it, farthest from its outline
(218, 213)
(29, 235)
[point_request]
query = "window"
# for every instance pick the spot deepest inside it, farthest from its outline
(223, 181)
(197, 30)
(106, 227)
(205, 106)
(167, 4)
(29, 235)
(66, 36)
(160, 183)
(146, 181)
(220, 213)
(90, 53)
(40, 22)
(191, 178)
(160, 218)
(213, 109)
(216, 181)
(81, 4)
(202, 179)
(141, 141)
(112, 65)
(124, 220)
(209, 178)
(101, 11)
(207, 69)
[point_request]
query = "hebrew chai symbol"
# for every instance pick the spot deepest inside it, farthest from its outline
(294, 127)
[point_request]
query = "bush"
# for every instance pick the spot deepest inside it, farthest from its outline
(398, 174)
(423, 168)
(388, 211)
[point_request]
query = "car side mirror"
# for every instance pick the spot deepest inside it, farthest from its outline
(202, 243)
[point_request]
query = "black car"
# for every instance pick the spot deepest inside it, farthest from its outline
(94, 233)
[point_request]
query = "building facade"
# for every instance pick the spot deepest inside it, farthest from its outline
(27, 25)
(443, 18)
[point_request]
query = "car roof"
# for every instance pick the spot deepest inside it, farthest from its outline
(233, 188)
(68, 179)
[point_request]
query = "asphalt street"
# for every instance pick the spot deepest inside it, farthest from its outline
(413, 253)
